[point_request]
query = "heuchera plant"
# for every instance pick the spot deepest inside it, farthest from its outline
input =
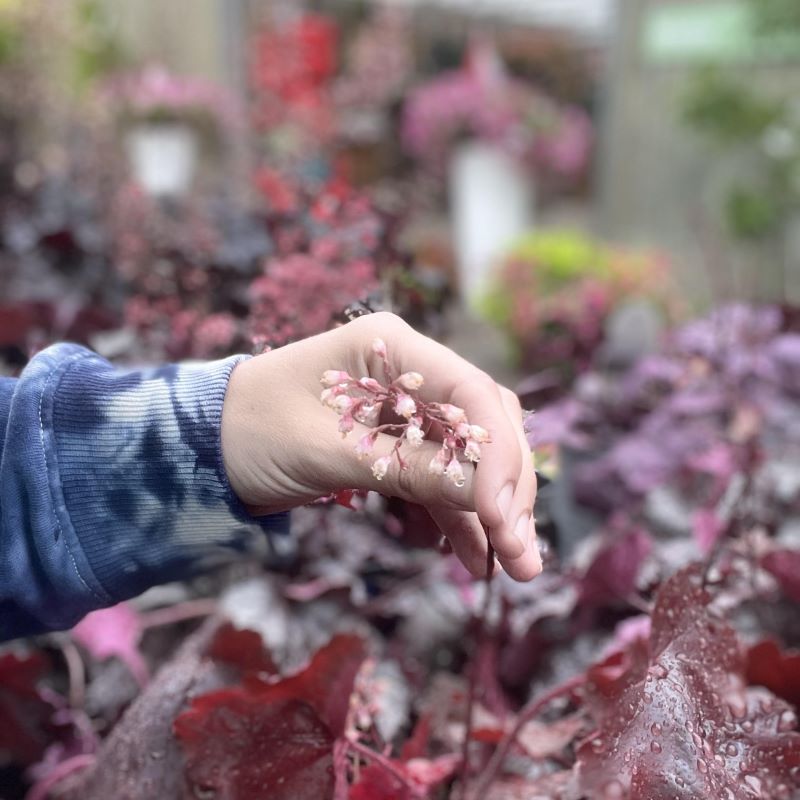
(648, 666)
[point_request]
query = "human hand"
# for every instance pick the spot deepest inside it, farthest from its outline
(281, 447)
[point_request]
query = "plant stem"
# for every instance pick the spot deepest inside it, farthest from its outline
(384, 762)
(480, 638)
(527, 713)
(182, 612)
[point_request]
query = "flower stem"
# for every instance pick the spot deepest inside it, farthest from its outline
(527, 713)
(480, 638)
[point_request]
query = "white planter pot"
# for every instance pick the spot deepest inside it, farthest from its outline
(491, 203)
(163, 158)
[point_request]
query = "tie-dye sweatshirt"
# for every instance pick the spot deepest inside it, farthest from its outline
(111, 482)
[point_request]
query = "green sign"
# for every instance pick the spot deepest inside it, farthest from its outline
(716, 31)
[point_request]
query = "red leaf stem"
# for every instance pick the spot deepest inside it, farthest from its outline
(527, 713)
(480, 636)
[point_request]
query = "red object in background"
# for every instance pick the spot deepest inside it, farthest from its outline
(297, 61)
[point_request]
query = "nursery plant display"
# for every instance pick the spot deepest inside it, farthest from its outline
(554, 292)
(656, 662)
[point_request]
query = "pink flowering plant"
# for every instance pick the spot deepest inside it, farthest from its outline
(480, 101)
(362, 400)
(156, 96)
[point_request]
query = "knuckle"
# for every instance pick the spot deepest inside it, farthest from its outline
(382, 322)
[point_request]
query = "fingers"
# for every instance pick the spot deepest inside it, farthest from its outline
(450, 378)
(522, 503)
(466, 537)
(499, 471)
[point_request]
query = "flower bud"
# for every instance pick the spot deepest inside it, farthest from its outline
(379, 348)
(328, 396)
(479, 434)
(472, 450)
(411, 381)
(438, 463)
(334, 377)
(414, 435)
(405, 406)
(342, 404)
(370, 384)
(345, 424)
(455, 472)
(381, 467)
(462, 430)
(453, 414)
(365, 445)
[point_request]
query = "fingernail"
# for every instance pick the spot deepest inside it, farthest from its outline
(522, 530)
(503, 500)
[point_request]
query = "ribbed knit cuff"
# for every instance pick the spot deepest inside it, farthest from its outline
(140, 468)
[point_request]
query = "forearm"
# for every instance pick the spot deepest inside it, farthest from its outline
(111, 482)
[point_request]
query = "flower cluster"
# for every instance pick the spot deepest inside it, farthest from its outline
(157, 95)
(362, 400)
(481, 101)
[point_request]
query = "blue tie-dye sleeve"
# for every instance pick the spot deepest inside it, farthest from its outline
(111, 482)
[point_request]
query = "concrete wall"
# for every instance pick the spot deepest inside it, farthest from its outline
(660, 183)
(185, 35)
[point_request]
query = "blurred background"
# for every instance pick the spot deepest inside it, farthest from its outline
(547, 185)
(598, 202)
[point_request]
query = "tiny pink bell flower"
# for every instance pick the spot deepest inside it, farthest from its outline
(334, 377)
(438, 463)
(345, 424)
(381, 467)
(479, 434)
(414, 435)
(370, 384)
(411, 381)
(472, 450)
(455, 472)
(342, 404)
(405, 406)
(453, 414)
(365, 445)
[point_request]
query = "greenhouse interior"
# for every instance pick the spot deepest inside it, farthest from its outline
(325, 475)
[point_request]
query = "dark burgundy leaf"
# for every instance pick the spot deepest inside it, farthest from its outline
(24, 714)
(779, 671)
(242, 748)
(325, 684)
(785, 566)
(612, 574)
(377, 783)
(687, 730)
(243, 649)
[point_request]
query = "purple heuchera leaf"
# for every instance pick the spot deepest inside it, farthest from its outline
(707, 527)
(556, 424)
(785, 350)
(785, 566)
(686, 729)
(612, 575)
